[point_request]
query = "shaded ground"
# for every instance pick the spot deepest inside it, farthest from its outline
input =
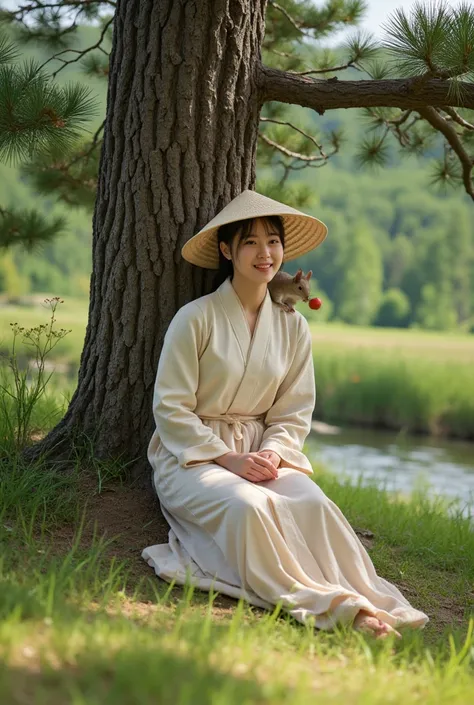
(130, 518)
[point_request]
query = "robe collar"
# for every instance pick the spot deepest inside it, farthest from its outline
(253, 349)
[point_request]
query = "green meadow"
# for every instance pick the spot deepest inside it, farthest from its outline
(403, 379)
(84, 620)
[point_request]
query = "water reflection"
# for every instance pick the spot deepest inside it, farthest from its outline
(397, 461)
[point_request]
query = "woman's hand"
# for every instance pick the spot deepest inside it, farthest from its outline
(251, 466)
(272, 456)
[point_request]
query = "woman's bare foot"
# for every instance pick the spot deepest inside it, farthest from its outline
(365, 622)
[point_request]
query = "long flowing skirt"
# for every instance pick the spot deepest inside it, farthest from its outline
(282, 541)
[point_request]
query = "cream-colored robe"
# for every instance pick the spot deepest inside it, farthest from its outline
(219, 390)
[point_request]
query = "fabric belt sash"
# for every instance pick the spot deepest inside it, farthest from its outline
(235, 420)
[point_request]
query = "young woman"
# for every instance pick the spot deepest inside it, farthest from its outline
(233, 402)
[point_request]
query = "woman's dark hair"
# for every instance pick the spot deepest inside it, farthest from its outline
(226, 234)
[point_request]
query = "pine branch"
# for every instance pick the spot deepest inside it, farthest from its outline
(8, 53)
(94, 65)
(72, 177)
(94, 145)
(27, 228)
(290, 19)
(288, 167)
(434, 39)
(406, 137)
(283, 54)
(446, 172)
(47, 23)
(294, 21)
(299, 160)
(415, 40)
(81, 53)
(36, 115)
(373, 151)
(322, 95)
(437, 121)
(83, 6)
(378, 70)
(321, 20)
(288, 152)
(298, 167)
(457, 118)
(50, 23)
(403, 118)
(329, 69)
(32, 6)
(360, 48)
(297, 129)
(378, 118)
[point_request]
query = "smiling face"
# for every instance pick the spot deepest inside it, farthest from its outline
(260, 248)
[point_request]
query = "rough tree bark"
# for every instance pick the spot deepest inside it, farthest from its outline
(179, 143)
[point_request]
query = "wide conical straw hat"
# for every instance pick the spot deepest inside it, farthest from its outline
(302, 232)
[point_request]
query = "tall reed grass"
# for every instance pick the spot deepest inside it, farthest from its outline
(380, 389)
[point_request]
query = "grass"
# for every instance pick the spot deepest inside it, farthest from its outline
(405, 343)
(360, 386)
(412, 380)
(78, 627)
(83, 621)
(72, 315)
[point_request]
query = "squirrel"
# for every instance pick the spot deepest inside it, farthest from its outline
(286, 289)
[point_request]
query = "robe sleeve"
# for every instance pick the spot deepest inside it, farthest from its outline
(288, 421)
(181, 431)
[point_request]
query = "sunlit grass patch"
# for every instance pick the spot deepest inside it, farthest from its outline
(181, 654)
(75, 624)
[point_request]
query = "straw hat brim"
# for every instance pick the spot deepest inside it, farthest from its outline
(303, 233)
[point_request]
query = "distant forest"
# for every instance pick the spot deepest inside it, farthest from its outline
(399, 252)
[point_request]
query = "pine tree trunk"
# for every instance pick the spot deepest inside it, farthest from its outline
(179, 143)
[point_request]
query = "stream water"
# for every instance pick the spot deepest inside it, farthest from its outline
(397, 461)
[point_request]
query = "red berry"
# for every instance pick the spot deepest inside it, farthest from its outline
(315, 303)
